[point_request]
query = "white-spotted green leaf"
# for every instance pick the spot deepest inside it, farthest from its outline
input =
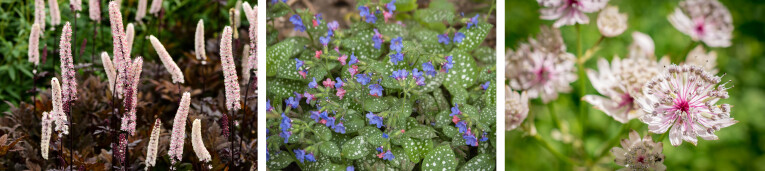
(372, 135)
(443, 119)
(474, 36)
(463, 73)
(353, 122)
(434, 15)
(481, 162)
(450, 131)
(375, 105)
(440, 158)
(416, 149)
(333, 167)
(329, 148)
(282, 88)
(279, 160)
(421, 132)
(322, 132)
(355, 148)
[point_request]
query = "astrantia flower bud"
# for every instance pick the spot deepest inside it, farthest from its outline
(639, 154)
(69, 84)
(642, 46)
(94, 7)
(704, 20)
(111, 74)
(516, 108)
(57, 114)
(611, 23)
(179, 129)
(196, 142)
(151, 151)
(45, 141)
(156, 5)
(199, 41)
(34, 43)
(684, 98)
(55, 14)
(40, 13)
(170, 65)
(141, 12)
(229, 71)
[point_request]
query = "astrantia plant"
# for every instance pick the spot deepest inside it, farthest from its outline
(397, 87)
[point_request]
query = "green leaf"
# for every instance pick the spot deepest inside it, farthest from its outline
(450, 131)
(277, 10)
(463, 73)
(279, 160)
(485, 54)
(322, 132)
(440, 158)
(373, 136)
(443, 119)
(355, 148)
(416, 149)
(279, 53)
(353, 122)
(282, 88)
(405, 5)
(421, 132)
(329, 148)
(474, 36)
(333, 167)
(480, 162)
(321, 162)
(434, 15)
(375, 105)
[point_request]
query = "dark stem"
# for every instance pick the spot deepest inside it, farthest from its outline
(244, 119)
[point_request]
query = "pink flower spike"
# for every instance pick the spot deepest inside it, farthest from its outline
(179, 129)
(68, 82)
(229, 71)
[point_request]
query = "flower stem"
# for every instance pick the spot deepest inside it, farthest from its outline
(661, 138)
(554, 116)
(612, 142)
(686, 52)
(552, 150)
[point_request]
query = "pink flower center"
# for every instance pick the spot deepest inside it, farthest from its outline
(542, 75)
(641, 159)
(683, 106)
(699, 25)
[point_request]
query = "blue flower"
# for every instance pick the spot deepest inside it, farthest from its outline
(458, 37)
(353, 60)
(312, 84)
(364, 13)
(363, 79)
(391, 6)
(395, 58)
(462, 126)
(428, 68)
(295, 19)
(473, 21)
(339, 83)
(315, 116)
(333, 25)
(286, 135)
(443, 38)
(299, 154)
(268, 106)
(350, 168)
(375, 120)
(268, 157)
(330, 122)
(380, 149)
(400, 74)
(470, 139)
(310, 157)
(416, 73)
(485, 86)
(483, 137)
(377, 39)
(286, 123)
(449, 64)
(455, 110)
(385, 135)
(339, 128)
(375, 90)
(396, 44)
(325, 40)
(292, 102)
(388, 156)
(298, 64)
(324, 115)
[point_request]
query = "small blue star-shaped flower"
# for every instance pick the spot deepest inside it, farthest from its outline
(458, 37)
(295, 19)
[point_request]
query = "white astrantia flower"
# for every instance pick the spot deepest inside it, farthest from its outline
(170, 65)
(55, 14)
(683, 99)
(179, 129)
(111, 73)
(639, 153)
(620, 83)
(569, 12)
(642, 46)
(708, 21)
(45, 141)
(542, 68)
(34, 43)
(611, 23)
(197, 143)
(151, 150)
(516, 108)
(699, 56)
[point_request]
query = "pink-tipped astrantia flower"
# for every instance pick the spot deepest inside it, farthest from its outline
(170, 65)
(542, 67)
(45, 141)
(55, 14)
(141, 11)
(569, 12)
(57, 114)
(68, 82)
(156, 5)
(611, 23)
(639, 153)
(704, 20)
(179, 129)
(34, 43)
(699, 56)
(516, 108)
(131, 96)
(620, 83)
(683, 100)
(94, 9)
(40, 13)
(197, 143)
(229, 71)
(151, 150)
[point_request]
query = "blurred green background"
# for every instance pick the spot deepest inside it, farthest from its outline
(741, 146)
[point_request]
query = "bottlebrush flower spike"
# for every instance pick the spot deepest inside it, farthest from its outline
(131, 96)
(76, 4)
(245, 60)
(151, 151)
(156, 5)
(55, 14)
(120, 51)
(68, 81)
(684, 98)
(199, 42)
(141, 11)
(130, 36)
(34, 43)
(179, 129)
(170, 65)
(40, 13)
(45, 141)
(57, 114)
(229, 71)
(94, 7)
(196, 142)
(109, 68)
(251, 13)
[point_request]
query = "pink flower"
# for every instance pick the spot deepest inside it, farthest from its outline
(179, 129)
(57, 114)
(170, 65)
(69, 84)
(45, 141)
(94, 9)
(40, 13)
(705, 20)
(317, 54)
(120, 51)
(516, 108)
(156, 5)
(639, 153)
(328, 83)
(342, 59)
(229, 71)
(455, 119)
(569, 12)
(141, 11)
(131, 97)
(34, 42)
(340, 93)
(197, 143)
(55, 14)
(353, 70)
(151, 150)
(76, 4)
(302, 73)
(111, 73)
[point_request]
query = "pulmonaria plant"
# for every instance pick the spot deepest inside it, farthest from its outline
(381, 91)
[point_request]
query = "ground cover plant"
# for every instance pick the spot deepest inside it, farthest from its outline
(395, 85)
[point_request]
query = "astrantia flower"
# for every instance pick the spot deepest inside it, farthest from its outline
(704, 20)
(458, 37)
(295, 19)
(179, 129)
(516, 108)
(569, 12)
(443, 38)
(375, 90)
(233, 99)
(611, 23)
(699, 56)
(684, 98)
(151, 150)
(639, 153)
(642, 46)
(375, 120)
(168, 62)
(542, 68)
(197, 143)
(620, 83)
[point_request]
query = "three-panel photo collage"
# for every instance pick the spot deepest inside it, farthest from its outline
(368, 85)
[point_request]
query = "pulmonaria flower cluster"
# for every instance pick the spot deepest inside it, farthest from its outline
(229, 71)
(683, 99)
(516, 108)
(302, 156)
(708, 21)
(385, 155)
(639, 153)
(569, 12)
(179, 129)
(286, 125)
(621, 83)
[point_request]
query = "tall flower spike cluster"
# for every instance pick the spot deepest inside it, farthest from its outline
(69, 84)
(683, 100)
(569, 12)
(704, 20)
(251, 13)
(621, 83)
(516, 108)
(151, 151)
(542, 67)
(179, 129)
(45, 141)
(639, 153)
(196, 142)
(199, 42)
(57, 114)
(170, 65)
(76, 4)
(34, 43)
(156, 5)
(120, 51)
(55, 14)
(131, 96)
(130, 36)
(141, 11)
(229, 71)
(94, 9)
(40, 13)
(109, 68)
